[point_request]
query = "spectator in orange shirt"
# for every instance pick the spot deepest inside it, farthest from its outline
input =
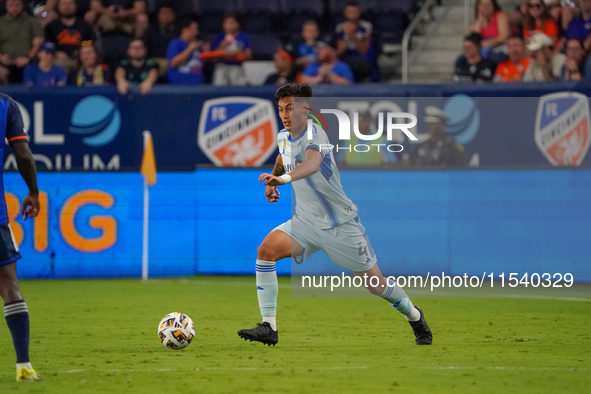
(512, 69)
(538, 20)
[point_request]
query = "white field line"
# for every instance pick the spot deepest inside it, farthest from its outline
(489, 368)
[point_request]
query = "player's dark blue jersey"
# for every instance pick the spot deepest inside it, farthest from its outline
(13, 130)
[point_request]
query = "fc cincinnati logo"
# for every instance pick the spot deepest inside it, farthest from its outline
(562, 128)
(237, 131)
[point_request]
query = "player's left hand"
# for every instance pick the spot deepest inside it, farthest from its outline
(270, 180)
(272, 194)
(31, 206)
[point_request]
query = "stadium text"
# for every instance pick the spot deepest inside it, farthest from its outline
(70, 233)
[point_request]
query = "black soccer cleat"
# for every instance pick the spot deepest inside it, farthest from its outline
(261, 333)
(423, 334)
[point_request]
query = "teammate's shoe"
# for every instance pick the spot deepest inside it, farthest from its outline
(423, 335)
(261, 333)
(25, 374)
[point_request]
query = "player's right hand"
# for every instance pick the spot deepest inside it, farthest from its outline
(31, 206)
(272, 193)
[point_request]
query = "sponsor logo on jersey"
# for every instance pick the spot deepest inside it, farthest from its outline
(237, 131)
(562, 128)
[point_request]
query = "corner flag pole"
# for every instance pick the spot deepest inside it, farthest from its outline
(146, 231)
(148, 170)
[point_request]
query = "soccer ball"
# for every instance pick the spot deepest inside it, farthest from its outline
(176, 330)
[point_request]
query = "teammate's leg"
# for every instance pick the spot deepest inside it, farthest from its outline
(277, 245)
(17, 319)
(398, 298)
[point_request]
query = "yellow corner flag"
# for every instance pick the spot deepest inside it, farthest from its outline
(148, 168)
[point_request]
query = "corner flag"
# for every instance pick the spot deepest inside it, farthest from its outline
(148, 170)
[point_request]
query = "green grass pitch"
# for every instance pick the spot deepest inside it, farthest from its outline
(99, 336)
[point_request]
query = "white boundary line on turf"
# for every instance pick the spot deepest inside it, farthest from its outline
(72, 371)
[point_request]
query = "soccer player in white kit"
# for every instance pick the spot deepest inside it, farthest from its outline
(325, 219)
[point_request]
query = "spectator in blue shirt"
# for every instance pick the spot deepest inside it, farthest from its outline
(328, 69)
(355, 44)
(580, 27)
(184, 65)
(237, 47)
(45, 73)
(307, 46)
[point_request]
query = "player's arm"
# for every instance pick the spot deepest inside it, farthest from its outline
(309, 166)
(28, 170)
(271, 192)
(15, 133)
(278, 168)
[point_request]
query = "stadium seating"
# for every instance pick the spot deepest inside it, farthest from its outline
(390, 19)
(264, 46)
(210, 14)
(113, 47)
(295, 13)
(258, 16)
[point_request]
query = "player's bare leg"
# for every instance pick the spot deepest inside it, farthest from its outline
(17, 319)
(398, 298)
(277, 245)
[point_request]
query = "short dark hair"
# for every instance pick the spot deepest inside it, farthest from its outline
(300, 90)
(168, 5)
(577, 39)
(137, 39)
(517, 36)
(475, 38)
(353, 3)
(233, 15)
(186, 23)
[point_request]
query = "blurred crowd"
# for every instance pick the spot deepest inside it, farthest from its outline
(137, 43)
(541, 40)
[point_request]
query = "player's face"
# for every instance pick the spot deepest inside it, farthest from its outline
(292, 114)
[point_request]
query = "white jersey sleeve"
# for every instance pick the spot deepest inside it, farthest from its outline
(320, 197)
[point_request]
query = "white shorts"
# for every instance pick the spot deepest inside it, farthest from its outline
(347, 245)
